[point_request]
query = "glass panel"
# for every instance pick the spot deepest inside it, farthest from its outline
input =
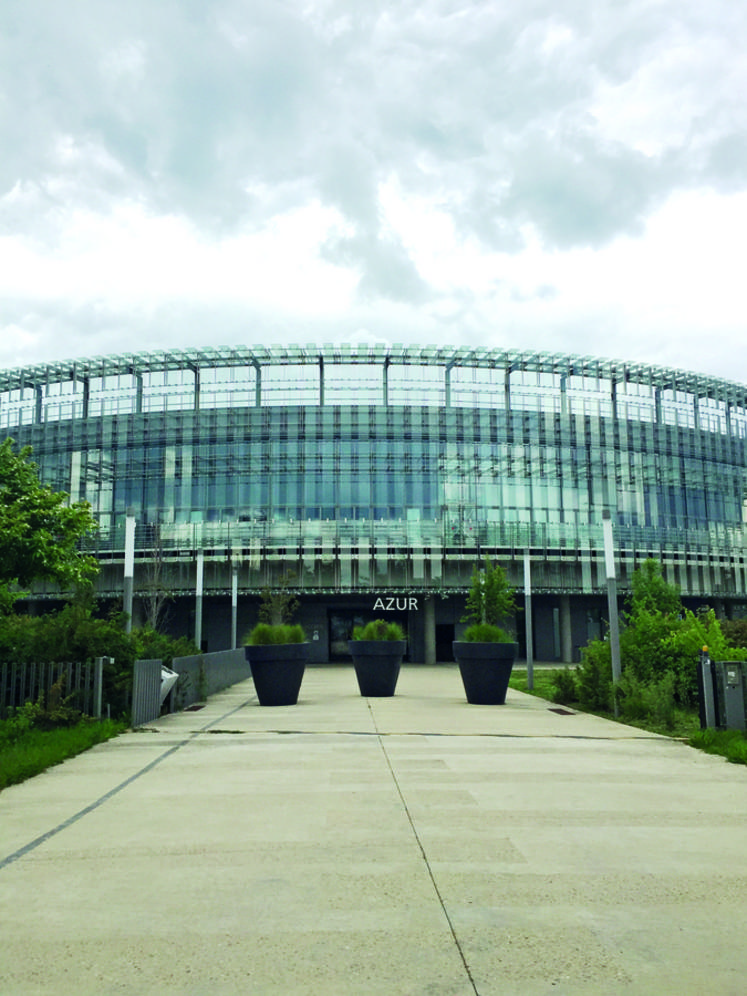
(353, 384)
(291, 384)
(416, 385)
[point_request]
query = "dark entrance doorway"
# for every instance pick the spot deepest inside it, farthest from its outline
(341, 624)
(444, 639)
(343, 621)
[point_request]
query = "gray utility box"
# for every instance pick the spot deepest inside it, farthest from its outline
(723, 686)
(731, 687)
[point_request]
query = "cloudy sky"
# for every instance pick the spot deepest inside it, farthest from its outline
(559, 175)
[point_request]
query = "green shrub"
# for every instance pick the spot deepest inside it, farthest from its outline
(735, 632)
(19, 722)
(265, 635)
(653, 701)
(486, 633)
(379, 629)
(152, 645)
(76, 633)
(594, 677)
(660, 701)
(630, 697)
(645, 643)
(564, 687)
(687, 638)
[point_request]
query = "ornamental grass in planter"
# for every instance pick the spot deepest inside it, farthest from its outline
(277, 656)
(377, 650)
(486, 652)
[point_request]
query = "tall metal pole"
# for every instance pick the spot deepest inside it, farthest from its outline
(129, 568)
(234, 603)
(528, 620)
(198, 597)
(609, 560)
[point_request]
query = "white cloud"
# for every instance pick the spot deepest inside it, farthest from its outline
(563, 176)
(131, 255)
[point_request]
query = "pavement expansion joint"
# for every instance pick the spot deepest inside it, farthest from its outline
(426, 861)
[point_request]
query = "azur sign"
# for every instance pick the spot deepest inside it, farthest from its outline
(391, 603)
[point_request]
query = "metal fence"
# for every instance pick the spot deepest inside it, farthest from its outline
(77, 684)
(146, 692)
(202, 675)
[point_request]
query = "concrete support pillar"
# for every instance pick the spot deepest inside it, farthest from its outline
(429, 628)
(566, 632)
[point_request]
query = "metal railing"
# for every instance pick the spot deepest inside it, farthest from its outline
(78, 684)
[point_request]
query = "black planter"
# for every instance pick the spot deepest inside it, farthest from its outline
(377, 664)
(485, 669)
(277, 670)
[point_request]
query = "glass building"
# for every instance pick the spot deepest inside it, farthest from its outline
(372, 479)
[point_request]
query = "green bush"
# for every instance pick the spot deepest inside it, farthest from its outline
(19, 722)
(265, 635)
(695, 631)
(660, 701)
(486, 633)
(630, 695)
(152, 645)
(379, 629)
(76, 633)
(564, 687)
(735, 632)
(660, 644)
(594, 677)
(645, 643)
(653, 701)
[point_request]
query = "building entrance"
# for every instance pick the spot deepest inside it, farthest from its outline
(445, 636)
(341, 623)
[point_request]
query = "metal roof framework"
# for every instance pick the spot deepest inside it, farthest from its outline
(508, 360)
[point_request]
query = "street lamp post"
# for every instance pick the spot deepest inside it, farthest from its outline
(129, 568)
(528, 620)
(609, 560)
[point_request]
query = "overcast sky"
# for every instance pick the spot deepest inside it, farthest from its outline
(558, 175)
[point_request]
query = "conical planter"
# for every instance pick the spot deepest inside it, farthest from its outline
(485, 669)
(277, 671)
(377, 664)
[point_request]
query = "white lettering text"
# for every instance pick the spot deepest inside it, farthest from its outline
(393, 604)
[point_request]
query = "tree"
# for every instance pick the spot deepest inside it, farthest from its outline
(659, 647)
(491, 598)
(651, 593)
(154, 595)
(278, 606)
(40, 530)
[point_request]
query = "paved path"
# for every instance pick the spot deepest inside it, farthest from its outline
(345, 847)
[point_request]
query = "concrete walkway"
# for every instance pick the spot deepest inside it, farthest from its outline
(345, 847)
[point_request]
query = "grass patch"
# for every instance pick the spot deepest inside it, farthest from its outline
(731, 744)
(685, 724)
(544, 682)
(33, 751)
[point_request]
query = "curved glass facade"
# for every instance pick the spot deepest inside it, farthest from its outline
(395, 468)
